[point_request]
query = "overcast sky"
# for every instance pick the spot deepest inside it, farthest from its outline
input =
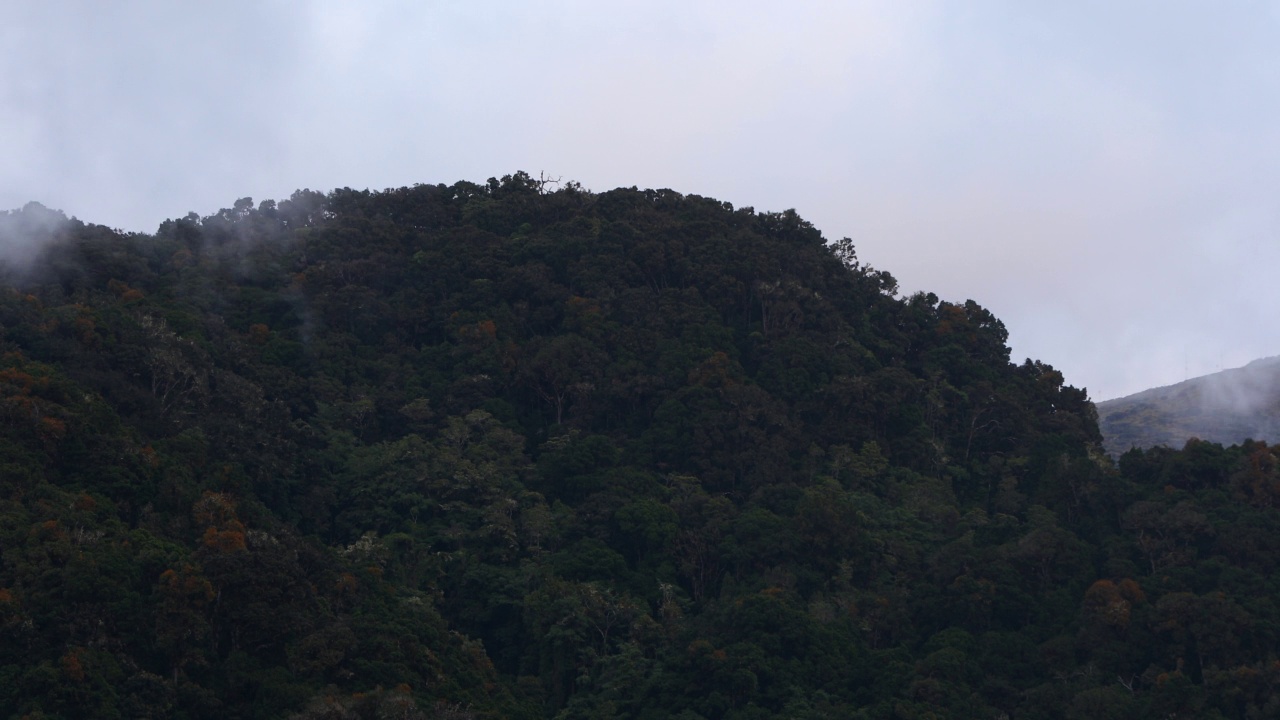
(1103, 176)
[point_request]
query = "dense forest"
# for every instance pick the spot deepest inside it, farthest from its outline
(506, 450)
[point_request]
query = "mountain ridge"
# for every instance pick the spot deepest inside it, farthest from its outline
(1226, 407)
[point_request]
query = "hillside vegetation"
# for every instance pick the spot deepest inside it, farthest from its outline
(493, 451)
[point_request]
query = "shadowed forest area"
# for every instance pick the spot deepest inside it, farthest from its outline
(497, 451)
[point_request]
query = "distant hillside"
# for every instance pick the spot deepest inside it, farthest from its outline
(1227, 407)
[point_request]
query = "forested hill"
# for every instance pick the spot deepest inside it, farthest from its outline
(491, 451)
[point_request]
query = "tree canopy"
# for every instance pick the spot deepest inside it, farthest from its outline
(498, 450)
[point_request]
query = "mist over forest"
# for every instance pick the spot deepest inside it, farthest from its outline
(1227, 407)
(517, 449)
(26, 233)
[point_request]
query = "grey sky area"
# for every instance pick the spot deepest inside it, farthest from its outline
(1103, 176)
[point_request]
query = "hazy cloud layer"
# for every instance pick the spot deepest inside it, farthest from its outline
(24, 232)
(1102, 176)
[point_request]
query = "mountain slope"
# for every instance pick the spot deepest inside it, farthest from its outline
(484, 450)
(1226, 407)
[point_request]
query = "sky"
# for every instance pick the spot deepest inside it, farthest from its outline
(1103, 176)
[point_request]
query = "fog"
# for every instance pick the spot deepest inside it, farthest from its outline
(1250, 389)
(25, 231)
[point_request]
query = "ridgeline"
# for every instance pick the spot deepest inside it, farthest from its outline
(1227, 407)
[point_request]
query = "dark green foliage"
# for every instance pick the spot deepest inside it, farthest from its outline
(491, 451)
